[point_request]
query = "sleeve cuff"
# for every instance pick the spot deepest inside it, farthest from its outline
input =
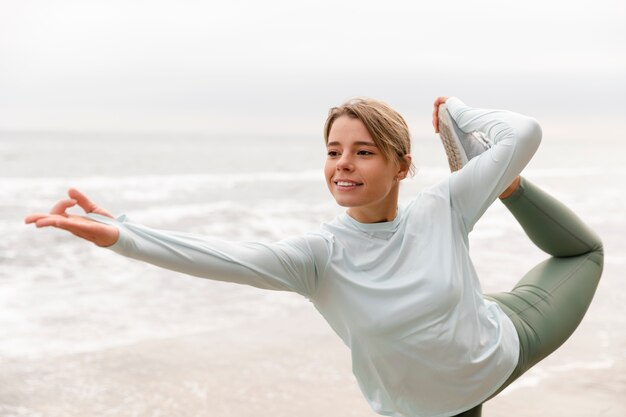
(120, 244)
(454, 106)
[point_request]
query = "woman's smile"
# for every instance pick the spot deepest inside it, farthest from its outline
(347, 185)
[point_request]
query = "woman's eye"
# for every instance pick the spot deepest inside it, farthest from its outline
(363, 152)
(333, 153)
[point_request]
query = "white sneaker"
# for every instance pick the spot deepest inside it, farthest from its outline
(460, 147)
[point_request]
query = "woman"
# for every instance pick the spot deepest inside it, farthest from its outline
(397, 283)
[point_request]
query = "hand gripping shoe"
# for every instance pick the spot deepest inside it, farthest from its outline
(460, 147)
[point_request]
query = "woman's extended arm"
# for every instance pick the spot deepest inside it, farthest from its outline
(515, 139)
(288, 265)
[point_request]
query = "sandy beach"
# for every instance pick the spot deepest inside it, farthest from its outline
(291, 365)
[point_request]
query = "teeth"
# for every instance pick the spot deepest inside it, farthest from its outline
(345, 184)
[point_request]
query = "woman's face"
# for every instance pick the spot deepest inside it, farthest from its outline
(358, 175)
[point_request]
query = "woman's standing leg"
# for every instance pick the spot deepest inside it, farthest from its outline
(549, 302)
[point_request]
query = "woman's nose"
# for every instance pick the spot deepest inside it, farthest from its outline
(344, 163)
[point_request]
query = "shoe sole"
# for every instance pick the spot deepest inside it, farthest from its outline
(450, 139)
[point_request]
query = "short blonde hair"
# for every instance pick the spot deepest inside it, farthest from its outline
(386, 126)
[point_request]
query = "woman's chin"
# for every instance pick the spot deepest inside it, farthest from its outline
(344, 202)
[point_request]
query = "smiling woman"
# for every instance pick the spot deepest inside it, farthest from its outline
(396, 283)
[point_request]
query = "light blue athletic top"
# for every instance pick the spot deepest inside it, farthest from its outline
(402, 295)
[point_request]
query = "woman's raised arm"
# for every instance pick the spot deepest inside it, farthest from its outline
(515, 139)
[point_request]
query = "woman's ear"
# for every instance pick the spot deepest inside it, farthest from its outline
(405, 167)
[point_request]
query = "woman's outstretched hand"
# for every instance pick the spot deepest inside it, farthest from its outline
(440, 100)
(98, 233)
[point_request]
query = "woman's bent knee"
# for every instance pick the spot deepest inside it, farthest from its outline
(596, 254)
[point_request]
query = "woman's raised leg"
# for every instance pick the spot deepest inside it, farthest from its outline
(549, 302)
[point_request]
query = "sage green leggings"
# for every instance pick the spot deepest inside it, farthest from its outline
(549, 302)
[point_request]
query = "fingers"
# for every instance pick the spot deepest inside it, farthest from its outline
(436, 120)
(438, 101)
(32, 218)
(436, 116)
(80, 227)
(46, 219)
(95, 232)
(58, 211)
(86, 204)
(61, 206)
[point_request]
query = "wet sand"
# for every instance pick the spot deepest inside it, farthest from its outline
(292, 365)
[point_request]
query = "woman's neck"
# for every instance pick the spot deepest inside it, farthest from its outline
(373, 216)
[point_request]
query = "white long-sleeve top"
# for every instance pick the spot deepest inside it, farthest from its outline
(403, 295)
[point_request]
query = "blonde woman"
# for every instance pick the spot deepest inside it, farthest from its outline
(396, 283)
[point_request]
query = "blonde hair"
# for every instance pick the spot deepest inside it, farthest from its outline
(385, 125)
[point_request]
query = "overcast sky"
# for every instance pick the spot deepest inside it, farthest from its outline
(165, 65)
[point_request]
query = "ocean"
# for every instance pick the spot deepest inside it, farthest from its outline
(86, 332)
